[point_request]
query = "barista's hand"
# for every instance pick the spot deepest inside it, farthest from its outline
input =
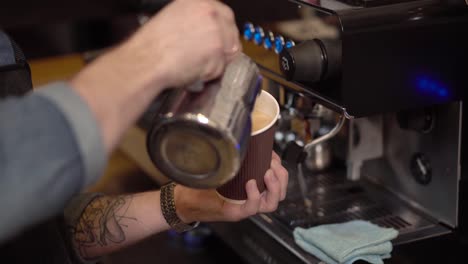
(186, 41)
(189, 40)
(206, 206)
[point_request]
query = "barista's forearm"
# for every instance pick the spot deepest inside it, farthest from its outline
(117, 90)
(112, 222)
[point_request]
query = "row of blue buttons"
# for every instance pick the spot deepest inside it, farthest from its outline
(269, 40)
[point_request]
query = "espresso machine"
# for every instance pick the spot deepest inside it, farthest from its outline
(380, 83)
(372, 117)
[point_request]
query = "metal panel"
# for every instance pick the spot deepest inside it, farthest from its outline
(441, 147)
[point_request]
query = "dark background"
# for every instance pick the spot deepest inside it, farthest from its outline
(53, 27)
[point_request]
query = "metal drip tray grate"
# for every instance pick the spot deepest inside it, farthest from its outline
(393, 221)
(336, 200)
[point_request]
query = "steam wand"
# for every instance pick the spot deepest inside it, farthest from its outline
(300, 154)
(328, 135)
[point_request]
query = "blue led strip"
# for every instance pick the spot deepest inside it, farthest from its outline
(428, 85)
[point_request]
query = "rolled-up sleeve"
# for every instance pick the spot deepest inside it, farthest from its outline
(51, 147)
(84, 127)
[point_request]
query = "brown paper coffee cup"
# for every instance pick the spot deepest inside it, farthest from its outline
(258, 155)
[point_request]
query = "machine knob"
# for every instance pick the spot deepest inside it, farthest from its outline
(311, 61)
(419, 120)
(420, 167)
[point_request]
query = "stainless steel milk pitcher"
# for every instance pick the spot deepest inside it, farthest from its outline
(199, 139)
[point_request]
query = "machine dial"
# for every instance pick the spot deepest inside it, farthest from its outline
(311, 61)
(421, 168)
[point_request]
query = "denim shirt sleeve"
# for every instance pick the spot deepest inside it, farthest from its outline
(50, 149)
(84, 127)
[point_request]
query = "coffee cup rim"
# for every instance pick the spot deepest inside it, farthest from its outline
(273, 120)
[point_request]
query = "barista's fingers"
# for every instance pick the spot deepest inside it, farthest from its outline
(282, 176)
(225, 12)
(220, 30)
(232, 45)
(235, 47)
(215, 65)
(231, 33)
(272, 196)
(275, 156)
(251, 206)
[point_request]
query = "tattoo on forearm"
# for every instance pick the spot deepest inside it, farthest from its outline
(102, 223)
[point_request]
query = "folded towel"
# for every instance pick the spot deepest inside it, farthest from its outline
(347, 242)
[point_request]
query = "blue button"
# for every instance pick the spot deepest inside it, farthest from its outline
(279, 44)
(249, 31)
(258, 36)
(269, 40)
(267, 43)
(289, 44)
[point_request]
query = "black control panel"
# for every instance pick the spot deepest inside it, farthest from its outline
(365, 57)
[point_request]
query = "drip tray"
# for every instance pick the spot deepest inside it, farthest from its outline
(336, 200)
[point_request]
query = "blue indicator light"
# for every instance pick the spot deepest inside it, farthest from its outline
(258, 36)
(443, 92)
(431, 87)
(423, 83)
(279, 44)
(289, 44)
(249, 31)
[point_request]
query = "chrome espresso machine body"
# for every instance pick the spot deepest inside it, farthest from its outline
(396, 71)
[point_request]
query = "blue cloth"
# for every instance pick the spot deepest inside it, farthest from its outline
(347, 242)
